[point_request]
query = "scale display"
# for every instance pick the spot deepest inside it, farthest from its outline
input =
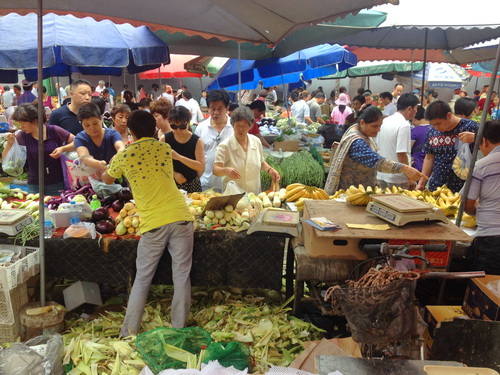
(13, 221)
(400, 209)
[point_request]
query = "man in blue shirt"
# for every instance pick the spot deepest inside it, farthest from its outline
(66, 115)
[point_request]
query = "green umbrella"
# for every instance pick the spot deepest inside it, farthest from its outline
(298, 39)
(368, 68)
(205, 65)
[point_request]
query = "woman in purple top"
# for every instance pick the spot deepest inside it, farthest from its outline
(418, 137)
(55, 139)
(96, 145)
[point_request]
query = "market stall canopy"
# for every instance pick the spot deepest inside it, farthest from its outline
(309, 63)
(257, 21)
(485, 67)
(78, 44)
(173, 70)
(438, 75)
(373, 68)
(447, 29)
(205, 65)
(462, 55)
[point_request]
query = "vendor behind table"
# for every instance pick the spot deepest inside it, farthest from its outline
(356, 159)
(240, 158)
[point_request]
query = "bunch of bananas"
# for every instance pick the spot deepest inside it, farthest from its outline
(337, 194)
(300, 204)
(361, 196)
(468, 221)
(460, 168)
(296, 191)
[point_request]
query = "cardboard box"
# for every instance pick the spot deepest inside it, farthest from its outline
(326, 245)
(435, 315)
(287, 146)
(480, 302)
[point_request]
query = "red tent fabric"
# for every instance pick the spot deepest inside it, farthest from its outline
(173, 70)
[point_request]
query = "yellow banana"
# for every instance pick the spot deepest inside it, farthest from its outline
(293, 186)
(362, 188)
(296, 194)
(322, 194)
(294, 191)
(354, 197)
(352, 190)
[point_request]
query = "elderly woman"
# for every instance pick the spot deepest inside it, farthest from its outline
(96, 145)
(119, 115)
(187, 150)
(356, 160)
(56, 140)
(239, 158)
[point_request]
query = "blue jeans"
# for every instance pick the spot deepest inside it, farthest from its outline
(53, 189)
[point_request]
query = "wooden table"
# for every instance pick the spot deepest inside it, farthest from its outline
(341, 213)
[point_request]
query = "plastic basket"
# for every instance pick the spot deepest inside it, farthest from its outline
(150, 345)
(13, 274)
(11, 302)
(378, 315)
(9, 332)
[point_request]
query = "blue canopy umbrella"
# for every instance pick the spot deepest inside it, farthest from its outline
(80, 45)
(306, 64)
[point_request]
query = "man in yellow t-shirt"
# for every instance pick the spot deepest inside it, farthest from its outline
(165, 219)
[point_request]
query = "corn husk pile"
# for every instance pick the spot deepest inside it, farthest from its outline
(249, 316)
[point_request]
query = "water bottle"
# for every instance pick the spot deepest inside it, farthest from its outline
(47, 223)
(95, 203)
(74, 213)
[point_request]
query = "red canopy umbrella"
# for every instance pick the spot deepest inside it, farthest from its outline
(173, 70)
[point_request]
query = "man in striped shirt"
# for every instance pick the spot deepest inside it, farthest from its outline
(483, 200)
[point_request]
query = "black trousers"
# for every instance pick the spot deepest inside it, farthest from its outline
(485, 254)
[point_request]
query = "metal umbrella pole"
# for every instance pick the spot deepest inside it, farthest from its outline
(422, 90)
(477, 143)
(41, 164)
(411, 75)
(239, 75)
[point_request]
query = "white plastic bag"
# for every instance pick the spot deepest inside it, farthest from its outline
(461, 163)
(232, 188)
(79, 173)
(14, 161)
(102, 189)
(80, 230)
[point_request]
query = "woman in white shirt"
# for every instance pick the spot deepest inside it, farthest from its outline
(239, 158)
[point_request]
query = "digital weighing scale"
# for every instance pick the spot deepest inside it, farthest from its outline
(13, 221)
(399, 209)
(276, 221)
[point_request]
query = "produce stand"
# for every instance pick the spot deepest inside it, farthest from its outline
(219, 258)
(333, 263)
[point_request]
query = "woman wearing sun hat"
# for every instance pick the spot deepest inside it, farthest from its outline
(341, 111)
